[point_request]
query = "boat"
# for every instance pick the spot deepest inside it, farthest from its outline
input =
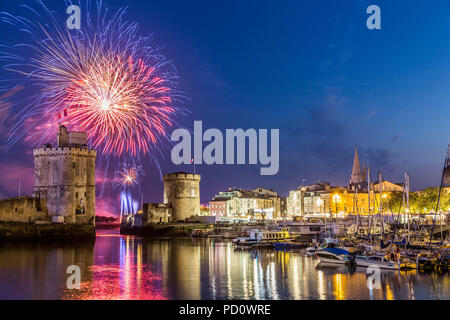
(334, 256)
(305, 230)
(214, 235)
(376, 261)
(443, 263)
(245, 241)
(288, 245)
(264, 238)
(426, 261)
(407, 264)
(199, 233)
(328, 243)
(313, 249)
(276, 236)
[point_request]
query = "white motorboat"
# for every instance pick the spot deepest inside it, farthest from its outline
(333, 256)
(377, 261)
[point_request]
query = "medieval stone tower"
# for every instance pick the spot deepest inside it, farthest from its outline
(182, 193)
(65, 177)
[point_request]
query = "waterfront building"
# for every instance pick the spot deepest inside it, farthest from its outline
(343, 200)
(294, 203)
(321, 197)
(258, 203)
(275, 200)
(204, 210)
(388, 186)
(156, 213)
(64, 185)
(316, 198)
(220, 207)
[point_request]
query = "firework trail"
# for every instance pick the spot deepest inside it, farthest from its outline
(128, 206)
(104, 79)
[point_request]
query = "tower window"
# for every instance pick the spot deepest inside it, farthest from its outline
(73, 165)
(76, 194)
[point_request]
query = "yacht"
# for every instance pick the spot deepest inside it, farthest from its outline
(426, 261)
(305, 229)
(376, 261)
(334, 256)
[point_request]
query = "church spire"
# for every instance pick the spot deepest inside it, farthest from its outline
(356, 177)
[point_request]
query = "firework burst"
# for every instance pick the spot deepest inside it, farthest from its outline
(104, 79)
(128, 177)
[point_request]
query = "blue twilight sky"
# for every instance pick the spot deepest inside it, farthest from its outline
(311, 69)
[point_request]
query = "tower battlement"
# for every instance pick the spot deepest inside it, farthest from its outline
(181, 176)
(64, 151)
(65, 176)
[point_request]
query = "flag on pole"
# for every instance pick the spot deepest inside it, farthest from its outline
(61, 115)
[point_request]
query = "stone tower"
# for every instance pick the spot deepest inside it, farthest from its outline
(65, 177)
(182, 194)
(357, 176)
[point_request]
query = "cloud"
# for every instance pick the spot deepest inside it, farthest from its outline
(107, 205)
(378, 158)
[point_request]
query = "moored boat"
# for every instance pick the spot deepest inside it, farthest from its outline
(376, 261)
(288, 245)
(333, 256)
(426, 261)
(407, 264)
(266, 238)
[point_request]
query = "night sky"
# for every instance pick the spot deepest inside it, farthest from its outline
(309, 68)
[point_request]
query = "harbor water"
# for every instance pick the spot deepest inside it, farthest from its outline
(129, 267)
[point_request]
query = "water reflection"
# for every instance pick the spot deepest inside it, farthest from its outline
(127, 267)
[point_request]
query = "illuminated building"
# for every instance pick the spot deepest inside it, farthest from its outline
(259, 203)
(294, 203)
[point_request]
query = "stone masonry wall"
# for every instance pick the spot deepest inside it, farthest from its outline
(182, 193)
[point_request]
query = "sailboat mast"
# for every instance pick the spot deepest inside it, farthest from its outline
(439, 197)
(380, 184)
(368, 196)
(357, 211)
(407, 205)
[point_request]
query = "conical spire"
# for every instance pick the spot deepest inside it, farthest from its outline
(356, 177)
